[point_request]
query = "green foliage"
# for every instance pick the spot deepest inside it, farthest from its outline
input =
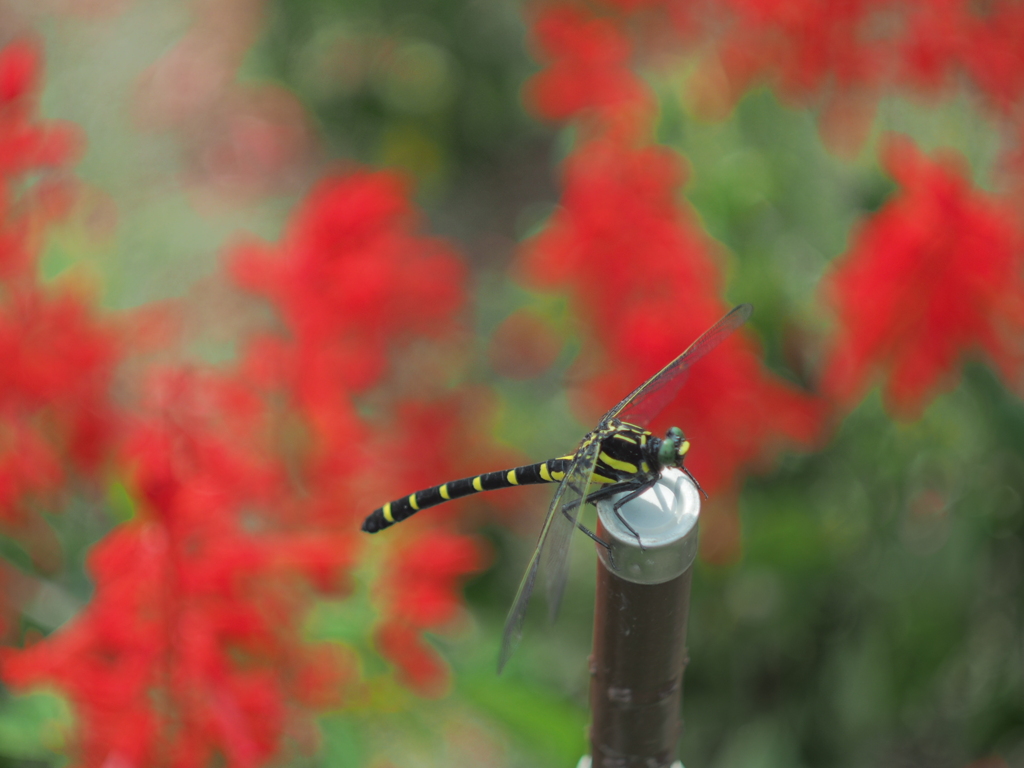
(31, 727)
(876, 609)
(429, 87)
(544, 725)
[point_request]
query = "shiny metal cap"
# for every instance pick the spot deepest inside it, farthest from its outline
(666, 519)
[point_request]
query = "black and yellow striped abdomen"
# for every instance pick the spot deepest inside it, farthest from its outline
(625, 455)
(550, 471)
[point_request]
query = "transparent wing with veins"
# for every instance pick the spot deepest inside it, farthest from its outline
(645, 402)
(552, 548)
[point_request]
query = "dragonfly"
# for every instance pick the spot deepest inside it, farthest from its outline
(619, 456)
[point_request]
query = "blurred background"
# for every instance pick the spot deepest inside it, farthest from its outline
(184, 579)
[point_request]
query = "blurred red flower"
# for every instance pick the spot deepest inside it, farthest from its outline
(351, 277)
(245, 481)
(588, 72)
(419, 665)
(59, 363)
(25, 143)
(190, 646)
(57, 358)
(932, 276)
(992, 52)
(354, 282)
(836, 57)
(806, 44)
(420, 589)
(33, 155)
(424, 574)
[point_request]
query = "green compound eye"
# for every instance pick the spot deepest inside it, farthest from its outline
(672, 447)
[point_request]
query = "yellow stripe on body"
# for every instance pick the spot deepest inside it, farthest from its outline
(511, 477)
(412, 502)
(645, 467)
(444, 492)
(622, 466)
(643, 440)
(627, 438)
(557, 475)
(544, 474)
(386, 509)
(477, 485)
(601, 478)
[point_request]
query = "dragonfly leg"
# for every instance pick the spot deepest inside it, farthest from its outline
(694, 481)
(594, 536)
(593, 498)
(644, 487)
(565, 511)
(602, 493)
(610, 490)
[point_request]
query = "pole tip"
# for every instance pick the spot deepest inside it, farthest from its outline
(665, 517)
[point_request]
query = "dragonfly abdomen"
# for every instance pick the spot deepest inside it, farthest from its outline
(550, 471)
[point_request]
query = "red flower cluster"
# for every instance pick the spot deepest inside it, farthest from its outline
(57, 360)
(249, 483)
(28, 147)
(934, 275)
(189, 648)
(588, 72)
(804, 45)
(420, 586)
(944, 40)
(250, 490)
(810, 47)
(353, 281)
(841, 56)
(351, 278)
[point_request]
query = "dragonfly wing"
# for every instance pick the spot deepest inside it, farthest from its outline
(646, 401)
(555, 557)
(552, 546)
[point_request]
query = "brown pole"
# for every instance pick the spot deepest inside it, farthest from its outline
(643, 598)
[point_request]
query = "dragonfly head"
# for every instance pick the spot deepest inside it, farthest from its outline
(673, 448)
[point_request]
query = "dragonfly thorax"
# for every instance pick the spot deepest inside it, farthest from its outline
(629, 452)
